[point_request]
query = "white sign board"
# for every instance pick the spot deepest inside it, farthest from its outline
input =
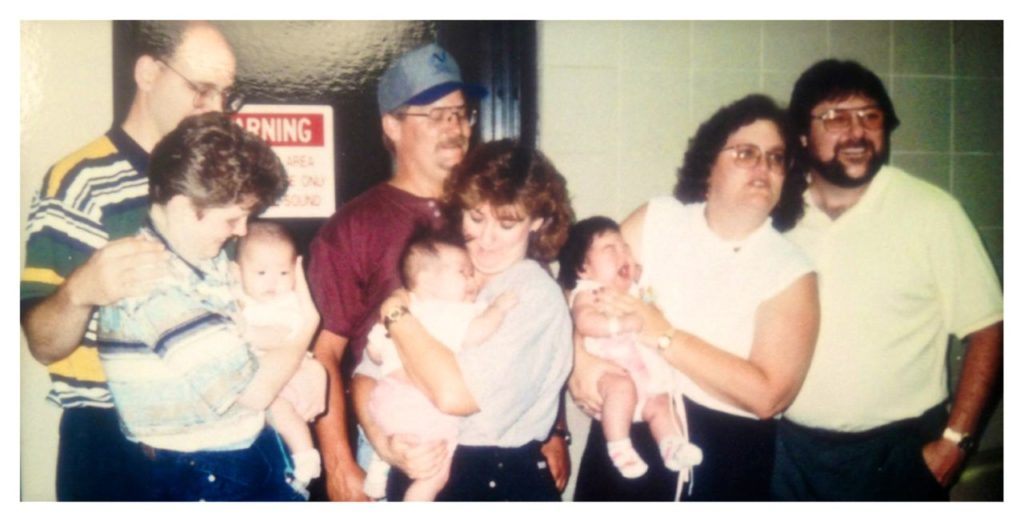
(303, 137)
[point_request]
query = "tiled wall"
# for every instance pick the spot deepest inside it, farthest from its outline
(620, 99)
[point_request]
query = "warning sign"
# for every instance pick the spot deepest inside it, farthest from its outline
(303, 137)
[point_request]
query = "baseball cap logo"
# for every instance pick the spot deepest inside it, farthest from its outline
(439, 60)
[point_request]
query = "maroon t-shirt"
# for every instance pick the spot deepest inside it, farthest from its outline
(353, 262)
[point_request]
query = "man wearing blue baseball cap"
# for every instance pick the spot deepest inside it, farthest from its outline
(427, 125)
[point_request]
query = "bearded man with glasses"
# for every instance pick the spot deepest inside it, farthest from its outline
(901, 269)
(83, 251)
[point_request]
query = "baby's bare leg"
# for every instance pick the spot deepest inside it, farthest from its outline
(292, 428)
(295, 433)
(619, 395)
(676, 451)
(658, 415)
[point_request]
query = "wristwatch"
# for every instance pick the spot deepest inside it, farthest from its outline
(964, 440)
(565, 434)
(665, 339)
(393, 315)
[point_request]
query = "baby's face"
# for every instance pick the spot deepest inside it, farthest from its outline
(449, 277)
(268, 269)
(610, 262)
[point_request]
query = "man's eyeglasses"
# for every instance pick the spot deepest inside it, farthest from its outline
(840, 120)
(231, 101)
(439, 115)
(748, 156)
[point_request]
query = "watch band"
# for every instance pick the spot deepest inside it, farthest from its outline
(953, 436)
(394, 315)
(564, 433)
(963, 440)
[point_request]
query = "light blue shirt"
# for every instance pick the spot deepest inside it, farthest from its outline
(176, 361)
(516, 375)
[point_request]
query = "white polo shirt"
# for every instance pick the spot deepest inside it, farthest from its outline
(713, 288)
(897, 274)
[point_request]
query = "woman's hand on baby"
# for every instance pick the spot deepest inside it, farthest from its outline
(614, 303)
(652, 321)
(418, 459)
(506, 301)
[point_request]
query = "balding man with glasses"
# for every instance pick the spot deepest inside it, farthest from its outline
(82, 251)
(900, 270)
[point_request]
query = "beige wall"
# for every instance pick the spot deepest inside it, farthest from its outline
(66, 100)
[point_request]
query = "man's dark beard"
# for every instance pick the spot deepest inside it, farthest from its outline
(835, 173)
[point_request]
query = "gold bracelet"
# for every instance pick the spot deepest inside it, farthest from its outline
(665, 339)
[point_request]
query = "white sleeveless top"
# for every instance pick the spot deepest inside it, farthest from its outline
(710, 287)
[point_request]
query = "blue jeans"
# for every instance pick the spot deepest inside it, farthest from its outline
(95, 462)
(253, 474)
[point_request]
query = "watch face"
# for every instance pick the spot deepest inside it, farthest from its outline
(968, 444)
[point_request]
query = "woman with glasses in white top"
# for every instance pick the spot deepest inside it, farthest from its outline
(733, 308)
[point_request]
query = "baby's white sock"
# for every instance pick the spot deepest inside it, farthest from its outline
(307, 465)
(376, 482)
(678, 454)
(625, 458)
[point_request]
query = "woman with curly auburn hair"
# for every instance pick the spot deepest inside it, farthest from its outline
(512, 207)
(735, 309)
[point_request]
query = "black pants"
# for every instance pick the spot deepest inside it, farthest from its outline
(737, 466)
(739, 453)
(599, 480)
(882, 464)
(95, 462)
(490, 474)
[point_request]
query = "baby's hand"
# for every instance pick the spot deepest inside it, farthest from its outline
(506, 301)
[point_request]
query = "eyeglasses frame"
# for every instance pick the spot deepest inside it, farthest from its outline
(761, 156)
(231, 101)
(830, 115)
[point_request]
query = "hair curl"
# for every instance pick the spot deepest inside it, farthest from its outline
(506, 174)
(574, 252)
(711, 137)
(424, 245)
(214, 163)
(261, 232)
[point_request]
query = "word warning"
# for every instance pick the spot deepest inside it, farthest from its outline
(303, 137)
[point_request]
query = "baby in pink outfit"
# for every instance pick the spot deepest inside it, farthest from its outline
(265, 266)
(440, 278)
(596, 258)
